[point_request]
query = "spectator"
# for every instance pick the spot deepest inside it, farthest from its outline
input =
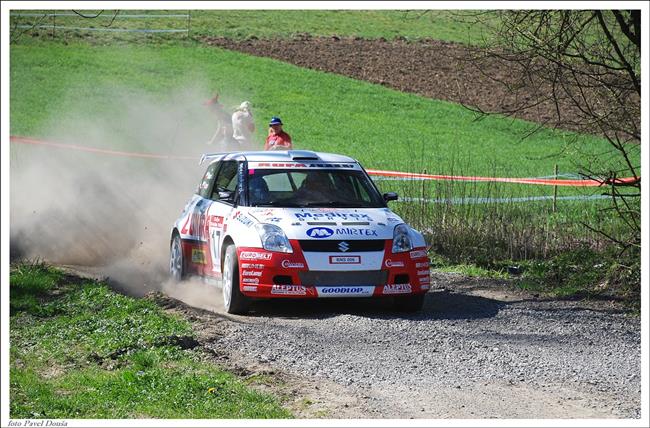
(243, 126)
(223, 133)
(277, 138)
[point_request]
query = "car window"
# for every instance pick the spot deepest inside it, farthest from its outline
(226, 179)
(206, 182)
(278, 183)
(312, 188)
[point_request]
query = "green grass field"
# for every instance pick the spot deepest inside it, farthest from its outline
(383, 128)
(79, 350)
(448, 25)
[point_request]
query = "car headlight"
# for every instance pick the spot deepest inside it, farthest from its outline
(402, 239)
(273, 238)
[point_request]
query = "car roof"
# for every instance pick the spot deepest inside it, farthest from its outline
(278, 156)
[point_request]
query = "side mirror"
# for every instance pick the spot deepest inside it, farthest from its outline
(225, 195)
(390, 196)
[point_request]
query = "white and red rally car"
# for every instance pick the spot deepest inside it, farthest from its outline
(297, 224)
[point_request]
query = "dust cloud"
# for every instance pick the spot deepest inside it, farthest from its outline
(112, 214)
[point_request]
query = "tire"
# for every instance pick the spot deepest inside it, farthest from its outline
(176, 259)
(234, 302)
(412, 303)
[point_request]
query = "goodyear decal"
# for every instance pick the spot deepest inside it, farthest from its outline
(345, 291)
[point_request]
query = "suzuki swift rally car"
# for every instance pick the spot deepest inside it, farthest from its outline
(297, 224)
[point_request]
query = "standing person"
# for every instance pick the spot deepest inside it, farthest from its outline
(223, 133)
(277, 138)
(243, 125)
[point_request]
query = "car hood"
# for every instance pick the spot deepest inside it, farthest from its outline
(330, 223)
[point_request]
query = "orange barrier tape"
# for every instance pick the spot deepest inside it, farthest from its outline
(537, 181)
(24, 140)
(377, 172)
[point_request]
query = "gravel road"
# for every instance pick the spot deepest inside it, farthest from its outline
(477, 350)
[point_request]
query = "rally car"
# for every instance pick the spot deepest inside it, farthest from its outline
(296, 224)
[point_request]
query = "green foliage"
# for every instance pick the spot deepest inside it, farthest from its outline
(585, 272)
(30, 286)
(104, 355)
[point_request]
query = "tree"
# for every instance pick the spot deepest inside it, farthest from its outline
(586, 63)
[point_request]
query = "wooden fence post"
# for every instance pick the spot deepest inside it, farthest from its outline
(188, 23)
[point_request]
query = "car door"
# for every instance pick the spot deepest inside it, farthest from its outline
(224, 194)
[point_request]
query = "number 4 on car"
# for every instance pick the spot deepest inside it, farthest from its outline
(300, 225)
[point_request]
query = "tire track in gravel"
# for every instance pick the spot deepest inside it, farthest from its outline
(477, 350)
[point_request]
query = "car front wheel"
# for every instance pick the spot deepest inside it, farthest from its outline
(234, 302)
(176, 262)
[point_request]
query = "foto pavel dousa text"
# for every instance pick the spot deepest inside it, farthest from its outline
(37, 423)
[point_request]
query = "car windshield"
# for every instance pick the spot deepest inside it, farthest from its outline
(312, 188)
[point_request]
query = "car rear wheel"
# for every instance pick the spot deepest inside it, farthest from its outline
(176, 262)
(234, 302)
(412, 303)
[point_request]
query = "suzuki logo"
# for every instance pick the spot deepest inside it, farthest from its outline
(320, 232)
(344, 246)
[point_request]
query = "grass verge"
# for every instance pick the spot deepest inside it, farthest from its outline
(79, 350)
(583, 273)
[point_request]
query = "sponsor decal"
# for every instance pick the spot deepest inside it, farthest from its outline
(287, 264)
(254, 255)
(423, 272)
(397, 288)
(332, 215)
(240, 180)
(345, 260)
(246, 221)
(274, 219)
(196, 223)
(289, 290)
(355, 232)
(390, 263)
(250, 280)
(422, 264)
(216, 221)
(252, 288)
(424, 287)
(251, 273)
(345, 291)
(320, 232)
(252, 266)
(198, 256)
(301, 165)
(424, 280)
(393, 220)
(418, 254)
(263, 212)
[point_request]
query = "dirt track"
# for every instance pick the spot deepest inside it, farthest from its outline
(478, 350)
